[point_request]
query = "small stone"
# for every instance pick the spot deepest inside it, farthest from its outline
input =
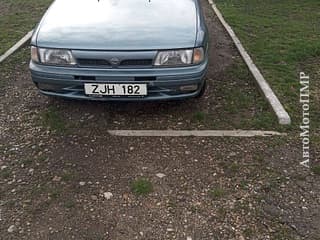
(170, 229)
(94, 197)
(125, 196)
(241, 237)
(3, 167)
(189, 238)
(160, 175)
(108, 195)
(82, 183)
(56, 179)
(11, 229)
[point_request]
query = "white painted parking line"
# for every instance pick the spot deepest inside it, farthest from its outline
(195, 133)
(19, 44)
(283, 116)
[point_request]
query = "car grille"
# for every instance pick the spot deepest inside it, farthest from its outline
(93, 62)
(105, 63)
(136, 62)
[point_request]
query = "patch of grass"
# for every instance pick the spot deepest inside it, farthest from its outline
(199, 116)
(68, 176)
(283, 39)
(55, 193)
(237, 99)
(53, 120)
(316, 169)
(10, 203)
(248, 233)
(258, 158)
(315, 139)
(13, 65)
(141, 186)
(277, 141)
(38, 190)
(282, 232)
(244, 185)
(69, 203)
(243, 104)
(17, 17)
(47, 190)
(5, 173)
(234, 167)
(265, 119)
(194, 209)
(27, 161)
(42, 158)
(230, 168)
(239, 96)
(273, 183)
(312, 67)
(217, 193)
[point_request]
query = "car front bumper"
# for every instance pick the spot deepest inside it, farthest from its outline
(162, 83)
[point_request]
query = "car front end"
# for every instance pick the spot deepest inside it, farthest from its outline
(163, 62)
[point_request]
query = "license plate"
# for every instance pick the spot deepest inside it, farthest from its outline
(115, 89)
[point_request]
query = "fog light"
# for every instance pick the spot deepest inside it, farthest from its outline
(189, 88)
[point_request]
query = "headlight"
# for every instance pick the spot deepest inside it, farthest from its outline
(60, 57)
(179, 57)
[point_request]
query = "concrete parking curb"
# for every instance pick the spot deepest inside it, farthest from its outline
(283, 116)
(195, 133)
(19, 44)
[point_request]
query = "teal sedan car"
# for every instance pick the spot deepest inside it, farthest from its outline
(121, 50)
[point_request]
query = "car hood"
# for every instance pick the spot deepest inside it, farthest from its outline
(119, 24)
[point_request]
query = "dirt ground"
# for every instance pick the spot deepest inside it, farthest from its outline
(69, 179)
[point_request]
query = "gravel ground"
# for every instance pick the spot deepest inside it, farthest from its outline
(59, 188)
(63, 177)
